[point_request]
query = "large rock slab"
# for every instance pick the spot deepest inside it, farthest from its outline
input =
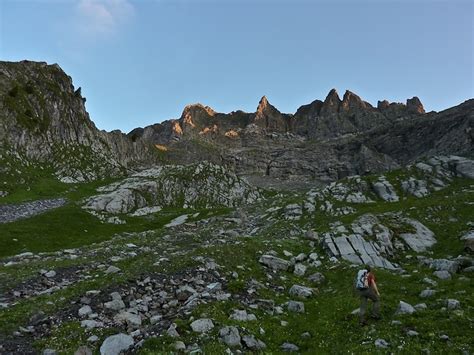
(274, 262)
(420, 240)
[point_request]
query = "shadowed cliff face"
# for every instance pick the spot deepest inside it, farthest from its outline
(43, 117)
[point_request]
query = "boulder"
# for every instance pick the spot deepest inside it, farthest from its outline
(381, 343)
(83, 350)
(385, 190)
(300, 269)
(115, 344)
(301, 291)
(453, 304)
(253, 344)
(451, 266)
(202, 325)
(405, 308)
(442, 275)
(84, 311)
(274, 262)
(230, 336)
(317, 278)
(296, 306)
(242, 316)
(289, 348)
(427, 293)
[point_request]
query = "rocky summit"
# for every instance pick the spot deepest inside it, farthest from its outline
(232, 233)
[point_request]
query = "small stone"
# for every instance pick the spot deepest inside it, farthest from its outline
(381, 343)
(132, 320)
(172, 332)
(405, 308)
(49, 352)
(317, 278)
(83, 350)
(50, 274)
(91, 324)
(115, 305)
(179, 346)
(300, 269)
(253, 344)
(421, 306)
(301, 291)
(430, 281)
(306, 335)
(295, 306)
(155, 319)
(301, 257)
(93, 339)
(442, 275)
(202, 325)
(242, 316)
(427, 293)
(115, 344)
(444, 337)
(453, 304)
(230, 336)
(84, 311)
(112, 270)
(412, 333)
(289, 347)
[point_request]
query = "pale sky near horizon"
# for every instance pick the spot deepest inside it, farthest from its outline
(141, 62)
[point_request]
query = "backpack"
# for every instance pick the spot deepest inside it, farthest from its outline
(362, 280)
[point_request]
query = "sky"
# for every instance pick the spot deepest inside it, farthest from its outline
(141, 62)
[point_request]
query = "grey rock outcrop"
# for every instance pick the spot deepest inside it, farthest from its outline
(198, 185)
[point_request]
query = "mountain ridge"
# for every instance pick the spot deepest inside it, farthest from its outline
(44, 119)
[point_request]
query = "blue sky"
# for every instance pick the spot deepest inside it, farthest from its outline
(141, 62)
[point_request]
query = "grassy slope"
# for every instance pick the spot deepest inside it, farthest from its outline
(327, 317)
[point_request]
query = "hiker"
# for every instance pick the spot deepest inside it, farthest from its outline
(367, 289)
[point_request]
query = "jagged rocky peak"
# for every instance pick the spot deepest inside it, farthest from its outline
(197, 108)
(267, 116)
(351, 102)
(383, 105)
(195, 116)
(331, 103)
(414, 105)
(262, 104)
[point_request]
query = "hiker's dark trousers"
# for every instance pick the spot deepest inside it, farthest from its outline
(364, 296)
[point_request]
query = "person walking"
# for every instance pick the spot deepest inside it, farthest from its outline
(367, 289)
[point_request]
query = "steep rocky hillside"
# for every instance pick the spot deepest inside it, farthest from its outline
(43, 121)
